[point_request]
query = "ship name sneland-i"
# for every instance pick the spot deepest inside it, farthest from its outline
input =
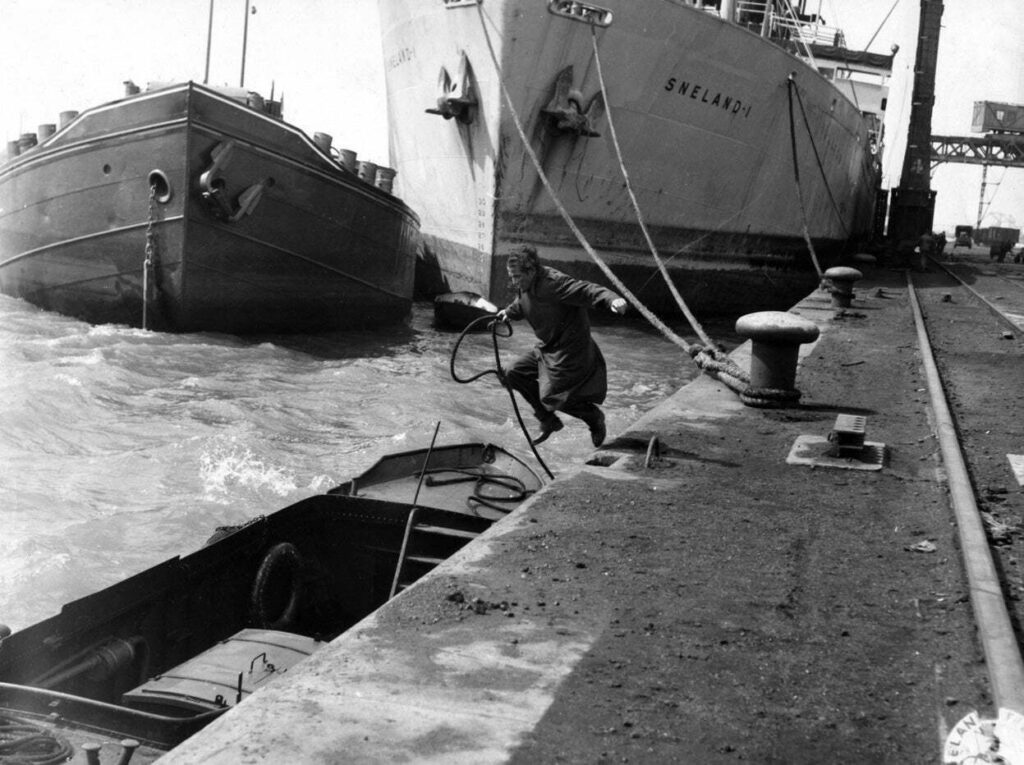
(702, 93)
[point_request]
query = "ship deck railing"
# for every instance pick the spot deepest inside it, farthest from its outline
(780, 22)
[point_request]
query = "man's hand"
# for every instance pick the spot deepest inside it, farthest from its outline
(619, 305)
(502, 316)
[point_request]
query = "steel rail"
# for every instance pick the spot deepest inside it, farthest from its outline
(995, 630)
(1000, 314)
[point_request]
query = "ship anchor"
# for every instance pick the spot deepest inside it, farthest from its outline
(212, 186)
(456, 97)
(566, 110)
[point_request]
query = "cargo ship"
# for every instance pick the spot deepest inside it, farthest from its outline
(749, 133)
(189, 208)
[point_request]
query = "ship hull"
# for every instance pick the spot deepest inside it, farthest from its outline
(704, 120)
(184, 210)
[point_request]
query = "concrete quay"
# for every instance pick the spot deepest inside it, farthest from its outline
(731, 596)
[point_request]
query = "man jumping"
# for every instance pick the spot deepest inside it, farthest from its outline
(565, 371)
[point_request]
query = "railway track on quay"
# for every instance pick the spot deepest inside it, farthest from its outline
(970, 317)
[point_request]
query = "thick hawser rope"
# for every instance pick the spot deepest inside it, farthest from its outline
(709, 359)
(636, 205)
(796, 176)
(814, 147)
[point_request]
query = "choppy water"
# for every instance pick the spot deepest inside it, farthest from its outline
(120, 448)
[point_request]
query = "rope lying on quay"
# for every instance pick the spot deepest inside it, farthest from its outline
(995, 631)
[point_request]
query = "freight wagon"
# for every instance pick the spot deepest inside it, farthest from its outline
(994, 117)
(996, 235)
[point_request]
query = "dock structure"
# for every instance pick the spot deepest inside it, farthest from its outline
(719, 583)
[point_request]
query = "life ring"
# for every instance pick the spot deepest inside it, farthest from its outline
(277, 588)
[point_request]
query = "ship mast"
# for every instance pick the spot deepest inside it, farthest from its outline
(245, 42)
(209, 42)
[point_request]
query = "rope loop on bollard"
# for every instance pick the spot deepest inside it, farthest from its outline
(769, 398)
(708, 359)
(716, 364)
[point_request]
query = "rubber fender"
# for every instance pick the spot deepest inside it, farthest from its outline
(278, 581)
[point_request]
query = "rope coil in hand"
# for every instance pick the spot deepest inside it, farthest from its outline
(498, 372)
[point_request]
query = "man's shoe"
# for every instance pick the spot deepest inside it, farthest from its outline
(597, 429)
(547, 427)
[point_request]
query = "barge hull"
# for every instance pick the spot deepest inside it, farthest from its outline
(251, 227)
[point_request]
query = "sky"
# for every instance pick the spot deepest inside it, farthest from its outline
(325, 57)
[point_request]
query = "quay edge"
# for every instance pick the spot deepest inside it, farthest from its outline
(717, 605)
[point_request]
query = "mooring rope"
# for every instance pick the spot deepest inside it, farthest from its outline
(636, 205)
(709, 358)
(717, 228)
(796, 176)
(817, 157)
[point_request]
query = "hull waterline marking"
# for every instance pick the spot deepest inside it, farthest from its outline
(705, 95)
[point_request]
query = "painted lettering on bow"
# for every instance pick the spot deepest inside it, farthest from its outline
(399, 57)
(708, 96)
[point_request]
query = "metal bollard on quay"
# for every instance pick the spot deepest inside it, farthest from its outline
(841, 279)
(776, 337)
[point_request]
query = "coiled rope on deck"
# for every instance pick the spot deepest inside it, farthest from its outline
(23, 743)
(708, 358)
(482, 480)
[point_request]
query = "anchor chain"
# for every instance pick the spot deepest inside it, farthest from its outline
(147, 265)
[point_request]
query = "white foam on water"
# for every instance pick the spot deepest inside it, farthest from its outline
(226, 467)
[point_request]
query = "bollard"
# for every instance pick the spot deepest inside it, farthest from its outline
(775, 337)
(841, 279)
(367, 172)
(348, 159)
(26, 142)
(67, 117)
(128, 747)
(385, 178)
(865, 260)
(323, 141)
(92, 753)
